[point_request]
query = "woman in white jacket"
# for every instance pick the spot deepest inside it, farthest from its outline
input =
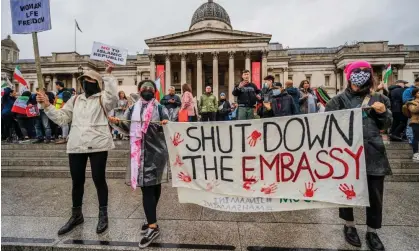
(90, 138)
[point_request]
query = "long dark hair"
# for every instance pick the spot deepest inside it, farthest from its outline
(303, 82)
(124, 97)
(186, 88)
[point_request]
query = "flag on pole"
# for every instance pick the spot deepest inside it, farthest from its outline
(387, 74)
(19, 77)
(77, 26)
(159, 91)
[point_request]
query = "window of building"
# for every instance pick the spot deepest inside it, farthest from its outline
(327, 80)
(289, 77)
(8, 55)
(308, 78)
(415, 75)
(120, 82)
(31, 85)
(395, 77)
(146, 78)
(15, 56)
(17, 87)
(277, 78)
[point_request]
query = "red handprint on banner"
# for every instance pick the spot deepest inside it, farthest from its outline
(184, 177)
(211, 185)
(269, 189)
(349, 192)
(309, 189)
(176, 139)
(178, 161)
(254, 136)
(247, 184)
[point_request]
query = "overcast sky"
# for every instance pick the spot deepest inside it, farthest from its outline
(294, 23)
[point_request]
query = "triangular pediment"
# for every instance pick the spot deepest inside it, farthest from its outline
(207, 35)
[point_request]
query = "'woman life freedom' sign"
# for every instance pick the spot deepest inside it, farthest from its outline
(103, 52)
(316, 160)
(30, 16)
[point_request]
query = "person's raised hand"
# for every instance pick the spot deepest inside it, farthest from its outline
(379, 107)
(164, 121)
(42, 99)
(109, 66)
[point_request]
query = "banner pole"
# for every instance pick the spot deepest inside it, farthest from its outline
(37, 61)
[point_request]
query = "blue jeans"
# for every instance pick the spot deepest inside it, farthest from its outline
(41, 125)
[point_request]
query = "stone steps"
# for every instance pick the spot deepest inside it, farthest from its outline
(51, 161)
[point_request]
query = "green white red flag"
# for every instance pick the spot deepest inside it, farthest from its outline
(387, 74)
(20, 105)
(159, 91)
(19, 77)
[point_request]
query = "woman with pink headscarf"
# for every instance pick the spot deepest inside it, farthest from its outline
(377, 116)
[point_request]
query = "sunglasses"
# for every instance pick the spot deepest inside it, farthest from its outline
(358, 70)
(147, 88)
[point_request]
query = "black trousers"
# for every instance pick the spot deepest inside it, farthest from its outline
(208, 116)
(78, 162)
(415, 143)
(399, 124)
(375, 210)
(151, 196)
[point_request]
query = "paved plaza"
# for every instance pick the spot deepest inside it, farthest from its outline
(33, 209)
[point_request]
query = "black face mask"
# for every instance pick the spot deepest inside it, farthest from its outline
(90, 88)
(147, 95)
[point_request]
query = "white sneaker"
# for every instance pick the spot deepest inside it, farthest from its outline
(415, 157)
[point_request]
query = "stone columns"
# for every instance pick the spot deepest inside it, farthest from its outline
(215, 73)
(285, 75)
(198, 75)
(152, 66)
(54, 79)
(168, 74)
(231, 76)
(264, 72)
(248, 65)
(74, 82)
(182, 68)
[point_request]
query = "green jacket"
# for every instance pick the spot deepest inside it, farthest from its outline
(208, 103)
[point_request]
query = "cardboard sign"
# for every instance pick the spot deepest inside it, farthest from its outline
(317, 157)
(30, 16)
(103, 52)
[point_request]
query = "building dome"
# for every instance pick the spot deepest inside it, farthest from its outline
(211, 11)
(8, 42)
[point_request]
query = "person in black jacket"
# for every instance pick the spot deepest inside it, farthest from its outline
(359, 93)
(224, 108)
(247, 94)
(267, 93)
(171, 100)
(282, 104)
(396, 99)
(294, 92)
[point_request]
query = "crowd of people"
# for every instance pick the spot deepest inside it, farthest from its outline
(88, 115)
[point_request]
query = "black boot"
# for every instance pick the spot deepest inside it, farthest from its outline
(75, 220)
(374, 242)
(351, 236)
(102, 225)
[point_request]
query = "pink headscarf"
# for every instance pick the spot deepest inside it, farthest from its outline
(354, 65)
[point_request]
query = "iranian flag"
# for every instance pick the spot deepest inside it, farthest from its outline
(5, 84)
(387, 74)
(20, 105)
(159, 91)
(19, 77)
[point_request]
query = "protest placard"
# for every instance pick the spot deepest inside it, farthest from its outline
(238, 204)
(30, 16)
(103, 52)
(317, 157)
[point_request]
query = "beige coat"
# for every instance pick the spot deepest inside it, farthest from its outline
(413, 107)
(89, 126)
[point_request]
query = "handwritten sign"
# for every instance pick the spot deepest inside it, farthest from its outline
(317, 157)
(238, 204)
(103, 52)
(30, 16)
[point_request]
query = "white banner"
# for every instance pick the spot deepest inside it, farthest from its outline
(246, 204)
(103, 52)
(317, 157)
